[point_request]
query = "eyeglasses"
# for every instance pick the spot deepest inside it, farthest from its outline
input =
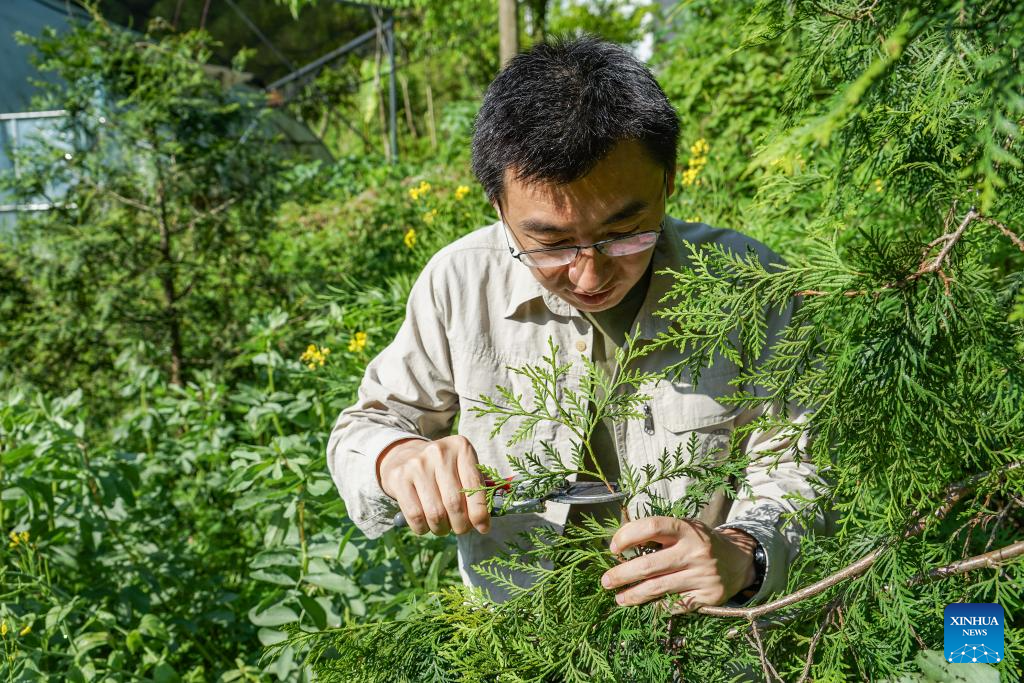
(554, 257)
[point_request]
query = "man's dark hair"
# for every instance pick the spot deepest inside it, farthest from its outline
(556, 110)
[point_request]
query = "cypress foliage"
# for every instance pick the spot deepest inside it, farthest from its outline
(895, 161)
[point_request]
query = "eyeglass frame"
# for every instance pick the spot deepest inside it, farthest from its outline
(596, 246)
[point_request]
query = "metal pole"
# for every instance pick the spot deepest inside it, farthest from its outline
(392, 97)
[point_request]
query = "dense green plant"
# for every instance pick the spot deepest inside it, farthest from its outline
(174, 539)
(165, 529)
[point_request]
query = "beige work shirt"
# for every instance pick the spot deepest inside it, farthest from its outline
(474, 311)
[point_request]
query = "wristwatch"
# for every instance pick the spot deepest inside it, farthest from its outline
(760, 563)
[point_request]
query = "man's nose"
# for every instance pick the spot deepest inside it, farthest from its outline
(586, 272)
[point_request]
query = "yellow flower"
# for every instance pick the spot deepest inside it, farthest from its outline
(429, 216)
(410, 238)
(419, 190)
(879, 186)
(25, 631)
(460, 192)
(357, 343)
(693, 219)
(15, 539)
(698, 160)
(314, 357)
(24, 537)
(3, 628)
(690, 175)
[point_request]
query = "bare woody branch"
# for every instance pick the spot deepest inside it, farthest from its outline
(990, 559)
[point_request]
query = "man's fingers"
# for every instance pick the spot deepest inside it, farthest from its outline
(664, 530)
(409, 503)
(652, 588)
(640, 568)
(477, 510)
(433, 507)
(454, 500)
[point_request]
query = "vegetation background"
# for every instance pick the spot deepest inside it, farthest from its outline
(180, 332)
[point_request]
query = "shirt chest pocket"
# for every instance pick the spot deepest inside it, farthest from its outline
(680, 411)
(478, 375)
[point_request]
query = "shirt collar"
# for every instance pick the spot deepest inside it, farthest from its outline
(669, 252)
(525, 287)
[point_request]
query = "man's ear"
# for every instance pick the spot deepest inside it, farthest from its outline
(670, 181)
(496, 205)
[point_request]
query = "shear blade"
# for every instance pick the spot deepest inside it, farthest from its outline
(588, 493)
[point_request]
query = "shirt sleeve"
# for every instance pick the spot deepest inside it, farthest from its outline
(406, 392)
(778, 466)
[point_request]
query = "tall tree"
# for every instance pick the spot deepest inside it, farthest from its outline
(162, 183)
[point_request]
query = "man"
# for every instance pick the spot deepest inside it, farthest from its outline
(575, 146)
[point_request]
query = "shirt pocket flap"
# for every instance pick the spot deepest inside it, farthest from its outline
(681, 407)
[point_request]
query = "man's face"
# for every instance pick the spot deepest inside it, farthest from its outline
(621, 195)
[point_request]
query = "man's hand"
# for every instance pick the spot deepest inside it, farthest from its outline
(705, 566)
(427, 478)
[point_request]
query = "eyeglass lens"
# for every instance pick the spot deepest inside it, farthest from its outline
(620, 247)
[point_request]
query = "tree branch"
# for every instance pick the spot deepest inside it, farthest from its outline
(954, 493)
(927, 265)
(825, 623)
(769, 671)
(990, 559)
(204, 215)
(1017, 241)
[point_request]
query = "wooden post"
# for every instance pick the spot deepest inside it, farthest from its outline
(508, 30)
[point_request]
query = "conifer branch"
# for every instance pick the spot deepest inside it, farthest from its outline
(825, 623)
(954, 493)
(929, 265)
(861, 13)
(1017, 241)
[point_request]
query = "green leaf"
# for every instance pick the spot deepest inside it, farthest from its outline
(134, 641)
(279, 578)
(273, 616)
(935, 669)
(334, 582)
(151, 626)
(314, 610)
(89, 641)
(165, 673)
(269, 636)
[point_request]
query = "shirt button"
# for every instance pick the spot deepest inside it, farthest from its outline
(581, 346)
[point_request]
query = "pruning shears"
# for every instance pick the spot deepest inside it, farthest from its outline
(572, 493)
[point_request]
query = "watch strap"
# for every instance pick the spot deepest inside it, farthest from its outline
(760, 564)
